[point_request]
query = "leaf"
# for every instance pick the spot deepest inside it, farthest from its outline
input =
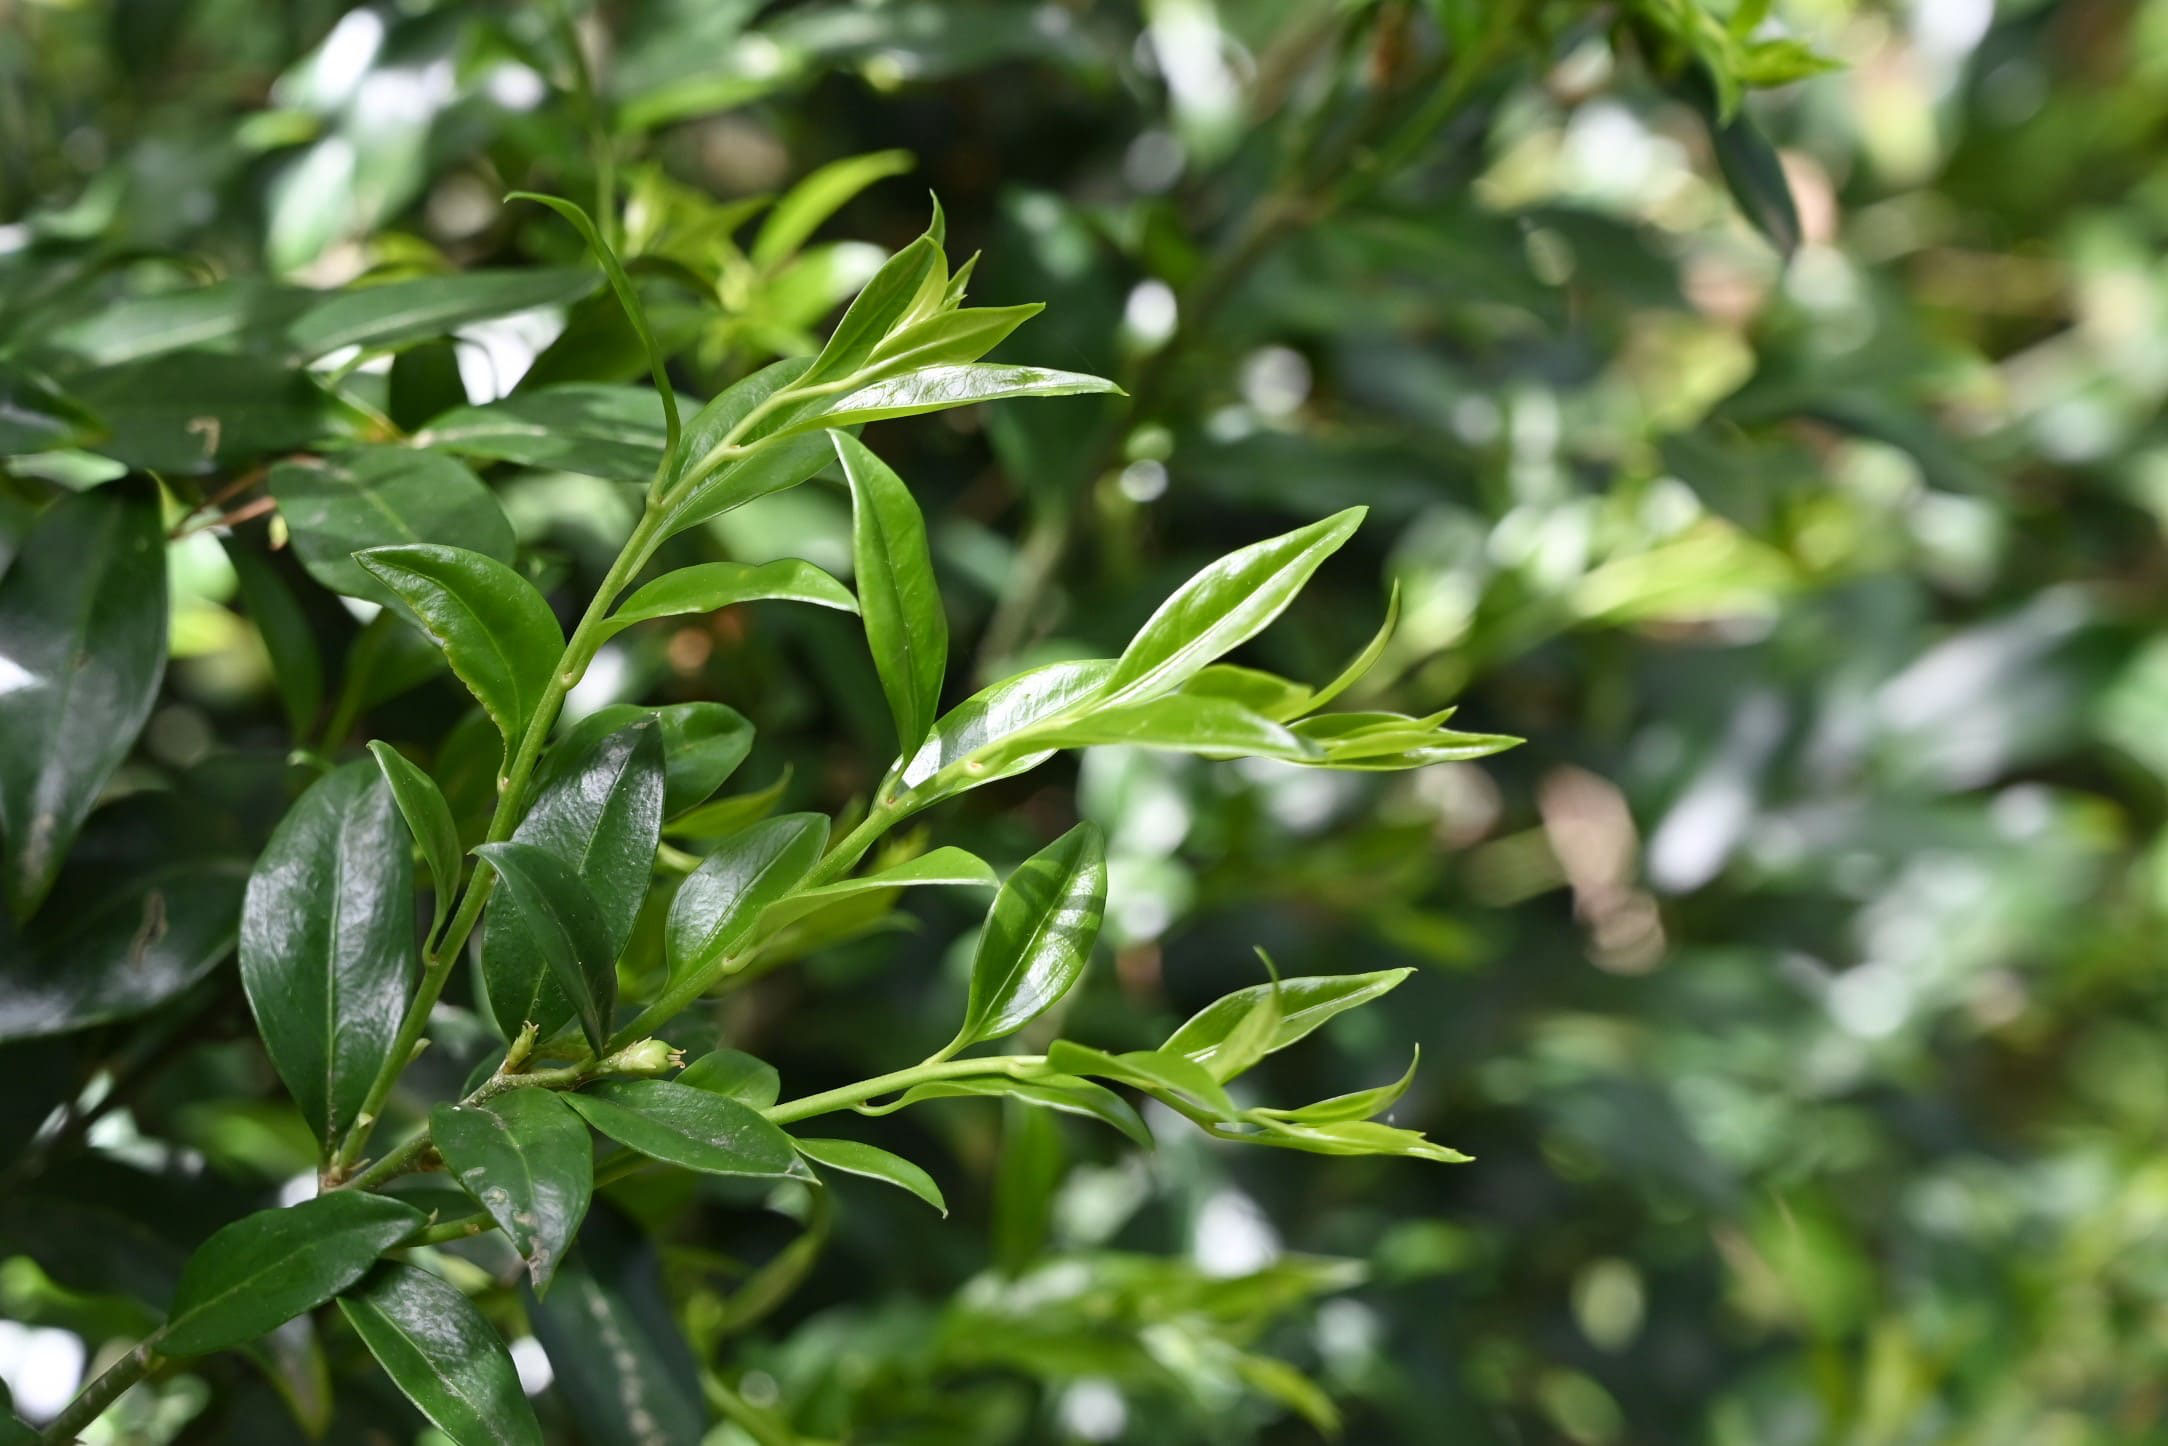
(1277, 698)
(1173, 1079)
(1226, 604)
(143, 942)
(35, 416)
(380, 496)
(264, 1269)
(942, 388)
(702, 745)
(243, 309)
(1065, 1093)
(978, 726)
(684, 1126)
(1038, 936)
(1358, 1105)
(736, 1075)
(429, 818)
(1751, 168)
(706, 587)
(942, 866)
(396, 312)
(1357, 666)
(1305, 1004)
(628, 298)
(709, 490)
(1250, 1039)
(527, 1160)
(191, 413)
(82, 650)
(901, 601)
(615, 432)
(854, 1158)
(1216, 727)
(561, 923)
(726, 816)
(1351, 1137)
(440, 1351)
(296, 667)
(952, 337)
(496, 631)
(820, 195)
(720, 901)
(327, 943)
(884, 301)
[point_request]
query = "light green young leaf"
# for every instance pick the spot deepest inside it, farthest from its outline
(736, 1075)
(706, 587)
(820, 195)
(854, 1158)
(900, 600)
(691, 1127)
(886, 300)
(1250, 1040)
(943, 866)
(327, 943)
(560, 919)
(719, 902)
(1065, 1093)
(942, 388)
(496, 631)
(1305, 1004)
(1358, 665)
(628, 298)
(527, 1160)
(726, 816)
(1358, 1105)
(1038, 936)
(700, 489)
(1215, 727)
(1173, 1079)
(977, 728)
(265, 1269)
(948, 337)
(1278, 698)
(1350, 1137)
(440, 1351)
(381, 496)
(1223, 606)
(429, 818)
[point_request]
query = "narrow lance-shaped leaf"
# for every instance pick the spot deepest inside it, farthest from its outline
(1226, 604)
(953, 867)
(1357, 1105)
(886, 300)
(440, 1351)
(1173, 1079)
(595, 428)
(598, 813)
(982, 724)
(82, 649)
(1357, 666)
(558, 914)
(1038, 936)
(1304, 1005)
(494, 629)
(429, 818)
(875, 1163)
(1064, 1093)
(941, 388)
(720, 901)
(269, 1267)
(898, 596)
(702, 745)
(735, 1074)
(813, 200)
(704, 485)
(527, 1159)
(327, 943)
(403, 311)
(709, 586)
(1215, 727)
(684, 1126)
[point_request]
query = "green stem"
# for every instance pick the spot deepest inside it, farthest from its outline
(93, 1399)
(846, 1096)
(465, 1227)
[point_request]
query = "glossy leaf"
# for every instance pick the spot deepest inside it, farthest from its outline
(623, 1370)
(398, 312)
(947, 866)
(1357, 666)
(1304, 1005)
(378, 497)
(297, 669)
(855, 1158)
(736, 1075)
(725, 816)
(681, 1125)
(190, 413)
(900, 600)
(1356, 1105)
(529, 1162)
(1352, 1137)
(561, 923)
(602, 430)
(240, 308)
(1223, 606)
(269, 1267)
(1217, 727)
(1066, 1093)
(976, 728)
(82, 650)
(706, 587)
(720, 901)
(429, 819)
(702, 745)
(440, 1351)
(496, 631)
(1038, 936)
(941, 388)
(1173, 1079)
(813, 200)
(877, 309)
(327, 942)
(702, 490)
(950, 337)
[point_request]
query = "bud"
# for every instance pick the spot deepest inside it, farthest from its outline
(644, 1057)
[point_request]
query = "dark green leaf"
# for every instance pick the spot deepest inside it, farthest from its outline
(438, 1349)
(190, 413)
(874, 1163)
(527, 1159)
(496, 631)
(1304, 1005)
(1038, 936)
(429, 818)
(397, 312)
(684, 1126)
(901, 602)
(82, 649)
(35, 416)
(327, 942)
(244, 308)
(269, 1267)
(726, 816)
(1752, 170)
(720, 901)
(702, 745)
(378, 497)
(598, 814)
(708, 586)
(296, 666)
(943, 866)
(749, 1081)
(601, 430)
(559, 922)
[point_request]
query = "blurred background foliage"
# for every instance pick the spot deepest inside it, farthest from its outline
(1760, 411)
